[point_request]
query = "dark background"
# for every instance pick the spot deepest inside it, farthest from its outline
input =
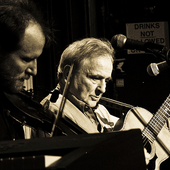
(76, 19)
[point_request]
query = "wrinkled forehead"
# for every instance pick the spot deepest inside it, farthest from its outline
(96, 63)
(95, 59)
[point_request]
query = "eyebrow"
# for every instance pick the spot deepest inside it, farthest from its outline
(99, 76)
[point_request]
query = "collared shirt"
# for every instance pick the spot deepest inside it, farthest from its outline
(80, 113)
(86, 110)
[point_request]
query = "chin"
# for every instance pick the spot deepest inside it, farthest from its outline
(15, 89)
(92, 104)
(18, 89)
(12, 86)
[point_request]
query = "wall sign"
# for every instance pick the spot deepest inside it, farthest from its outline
(155, 32)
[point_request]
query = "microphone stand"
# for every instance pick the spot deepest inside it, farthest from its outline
(163, 53)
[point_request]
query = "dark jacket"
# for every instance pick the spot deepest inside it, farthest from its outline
(10, 129)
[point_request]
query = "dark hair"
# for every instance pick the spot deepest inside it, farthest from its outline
(14, 19)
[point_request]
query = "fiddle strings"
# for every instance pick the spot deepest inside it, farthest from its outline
(58, 115)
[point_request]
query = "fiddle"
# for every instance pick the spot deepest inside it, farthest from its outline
(26, 111)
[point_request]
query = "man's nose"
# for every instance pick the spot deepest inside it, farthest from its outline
(102, 86)
(32, 68)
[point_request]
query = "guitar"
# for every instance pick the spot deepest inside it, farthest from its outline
(155, 134)
(154, 130)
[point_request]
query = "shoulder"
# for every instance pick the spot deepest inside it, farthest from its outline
(69, 108)
(48, 105)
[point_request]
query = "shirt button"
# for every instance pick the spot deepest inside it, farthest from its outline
(86, 108)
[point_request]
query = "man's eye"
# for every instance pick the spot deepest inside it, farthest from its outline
(95, 78)
(27, 59)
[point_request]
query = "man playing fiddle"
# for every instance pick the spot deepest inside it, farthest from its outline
(22, 39)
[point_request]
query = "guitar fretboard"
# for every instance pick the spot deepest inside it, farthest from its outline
(157, 121)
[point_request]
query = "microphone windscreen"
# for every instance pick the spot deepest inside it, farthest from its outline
(118, 41)
(153, 69)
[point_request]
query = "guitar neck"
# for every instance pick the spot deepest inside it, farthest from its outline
(158, 120)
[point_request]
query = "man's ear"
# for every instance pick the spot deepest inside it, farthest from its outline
(66, 72)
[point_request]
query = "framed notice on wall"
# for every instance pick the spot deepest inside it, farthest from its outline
(155, 32)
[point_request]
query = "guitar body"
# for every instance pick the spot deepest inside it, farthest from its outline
(138, 118)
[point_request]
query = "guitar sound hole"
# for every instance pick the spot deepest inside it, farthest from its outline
(148, 147)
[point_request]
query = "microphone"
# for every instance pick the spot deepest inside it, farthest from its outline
(154, 69)
(120, 41)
